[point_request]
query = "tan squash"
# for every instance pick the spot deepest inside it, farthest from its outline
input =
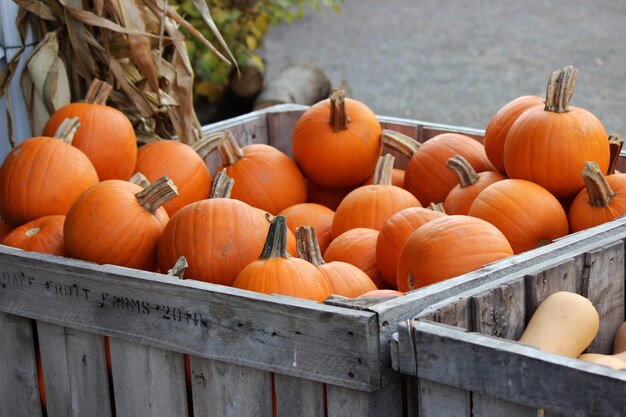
(565, 323)
(619, 344)
(614, 361)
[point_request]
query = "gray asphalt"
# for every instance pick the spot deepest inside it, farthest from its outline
(458, 62)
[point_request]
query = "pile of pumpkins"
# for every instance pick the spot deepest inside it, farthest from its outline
(336, 218)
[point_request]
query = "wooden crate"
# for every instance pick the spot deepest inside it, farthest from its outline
(323, 359)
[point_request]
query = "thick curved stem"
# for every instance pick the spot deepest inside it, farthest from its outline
(464, 170)
(384, 170)
(339, 118)
(208, 144)
(437, 207)
(307, 245)
(402, 143)
(156, 194)
(598, 188)
(276, 241)
(98, 92)
(67, 129)
(615, 146)
(222, 185)
(229, 149)
(179, 268)
(560, 89)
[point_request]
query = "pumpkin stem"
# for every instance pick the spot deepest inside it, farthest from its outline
(156, 194)
(67, 129)
(465, 171)
(307, 245)
(437, 207)
(339, 118)
(598, 188)
(179, 268)
(230, 152)
(208, 144)
(222, 185)
(384, 170)
(402, 143)
(98, 92)
(615, 145)
(276, 241)
(560, 89)
(139, 179)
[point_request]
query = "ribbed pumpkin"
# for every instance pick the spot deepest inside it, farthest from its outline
(499, 125)
(264, 176)
(369, 206)
(461, 197)
(120, 223)
(310, 214)
(42, 176)
(394, 233)
(183, 164)
(337, 142)
(602, 200)
(448, 247)
(528, 214)
(549, 144)
(357, 247)
(275, 272)
(218, 236)
(343, 278)
(43, 235)
(106, 135)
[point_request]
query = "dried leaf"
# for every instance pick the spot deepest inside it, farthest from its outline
(39, 9)
(202, 7)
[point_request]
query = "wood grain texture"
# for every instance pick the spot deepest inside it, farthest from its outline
(227, 390)
(147, 381)
(486, 406)
(518, 373)
(440, 400)
(332, 344)
(298, 397)
(562, 276)
(280, 127)
(19, 388)
(346, 402)
(75, 372)
(500, 311)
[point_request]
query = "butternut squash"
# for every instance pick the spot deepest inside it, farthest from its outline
(617, 361)
(619, 345)
(565, 323)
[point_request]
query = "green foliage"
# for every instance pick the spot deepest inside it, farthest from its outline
(243, 24)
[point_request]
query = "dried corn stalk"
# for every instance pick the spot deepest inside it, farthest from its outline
(135, 45)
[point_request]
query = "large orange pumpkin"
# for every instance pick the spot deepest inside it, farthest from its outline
(549, 144)
(311, 214)
(275, 272)
(499, 125)
(117, 222)
(43, 176)
(448, 247)
(527, 214)
(337, 142)
(343, 278)
(602, 200)
(43, 235)
(106, 135)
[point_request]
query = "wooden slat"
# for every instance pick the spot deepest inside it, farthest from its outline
(385, 402)
(75, 373)
(604, 286)
(332, 344)
(298, 397)
(280, 125)
(19, 388)
(439, 400)
(501, 311)
(486, 406)
(518, 373)
(147, 381)
(562, 276)
(226, 390)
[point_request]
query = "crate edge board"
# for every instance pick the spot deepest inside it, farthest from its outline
(281, 334)
(547, 373)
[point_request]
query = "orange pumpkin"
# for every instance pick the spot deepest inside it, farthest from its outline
(106, 135)
(460, 198)
(527, 214)
(325, 196)
(343, 278)
(357, 247)
(43, 235)
(499, 125)
(275, 272)
(337, 142)
(116, 222)
(395, 231)
(369, 206)
(5, 228)
(264, 176)
(548, 145)
(43, 176)
(218, 236)
(448, 247)
(603, 199)
(310, 214)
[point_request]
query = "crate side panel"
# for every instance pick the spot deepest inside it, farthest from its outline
(147, 381)
(19, 387)
(228, 390)
(440, 400)
(75, 372)
(298, 397)
(280, 127)
(486, 406)
(346, 402)
(564, 276)
(500, 311)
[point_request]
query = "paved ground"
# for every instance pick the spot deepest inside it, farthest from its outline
(458, 62)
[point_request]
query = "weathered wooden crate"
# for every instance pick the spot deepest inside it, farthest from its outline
(323, 359)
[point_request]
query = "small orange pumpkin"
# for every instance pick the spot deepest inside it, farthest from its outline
(43, 235)
(310, 214)
(325, 196)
